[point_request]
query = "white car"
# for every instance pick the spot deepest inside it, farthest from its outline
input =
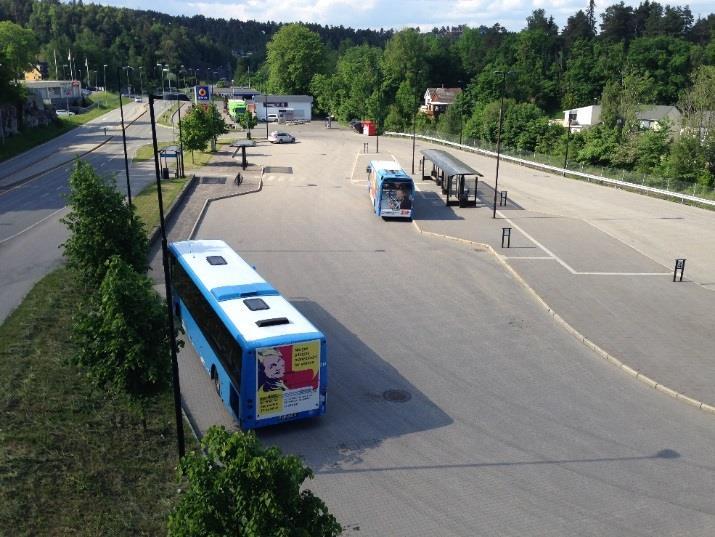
(63, 112)
(137, 99)
(277, 137)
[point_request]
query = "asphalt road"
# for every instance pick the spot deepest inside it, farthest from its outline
(31, 208)
(509, 425)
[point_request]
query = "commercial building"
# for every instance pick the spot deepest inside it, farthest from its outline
(301, 106)
(58, 93)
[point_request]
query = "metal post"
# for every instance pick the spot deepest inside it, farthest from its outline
(414, 131)
(679, 266)
(568, 135)
(124, 136)
(501, 116)
(181, 145)
(265, 109)
(506, 235)
(167, 284)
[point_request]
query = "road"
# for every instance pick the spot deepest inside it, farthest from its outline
(31, 208)
(505, 424)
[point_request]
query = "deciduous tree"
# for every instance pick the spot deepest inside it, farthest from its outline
(240, 488)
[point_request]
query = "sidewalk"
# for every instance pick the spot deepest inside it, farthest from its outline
(216, 180)
(622, 300)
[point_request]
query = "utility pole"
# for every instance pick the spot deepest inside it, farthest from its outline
(501, 117)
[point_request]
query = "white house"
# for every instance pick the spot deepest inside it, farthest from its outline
(438, 99)
(59, 93)
(653, 117)
(301, 105)
(583, 118)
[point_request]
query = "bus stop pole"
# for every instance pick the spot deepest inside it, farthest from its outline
(169, 298)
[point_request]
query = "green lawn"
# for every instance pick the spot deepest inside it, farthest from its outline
(199, 158)
(165, 118)
(71, 461)
(33, 137)
(146, 204)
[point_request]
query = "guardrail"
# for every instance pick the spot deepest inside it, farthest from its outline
(547, 167)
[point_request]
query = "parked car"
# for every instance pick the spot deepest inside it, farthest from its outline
(63, 112)
(356, 125)
(272, 118)
(138, 99)
(277, 137)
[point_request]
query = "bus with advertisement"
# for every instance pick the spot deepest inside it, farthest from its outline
(392, 191)
(267, 362)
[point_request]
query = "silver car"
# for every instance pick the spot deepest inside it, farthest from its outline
(277, 137)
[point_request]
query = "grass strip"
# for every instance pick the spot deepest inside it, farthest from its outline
(146, 204)
(73, 462)
(191, 161)
(30, 138)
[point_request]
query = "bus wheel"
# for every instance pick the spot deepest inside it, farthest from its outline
(217, 381)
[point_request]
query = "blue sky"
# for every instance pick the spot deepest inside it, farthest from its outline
(386, 13)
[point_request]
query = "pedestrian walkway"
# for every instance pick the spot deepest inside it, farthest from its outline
(612, 294)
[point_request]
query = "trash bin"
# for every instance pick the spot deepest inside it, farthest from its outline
(165, 173)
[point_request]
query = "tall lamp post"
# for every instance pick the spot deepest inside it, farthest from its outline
(124, 135)
(141, 82)
(105, 79)
(572, 118)
(501, 118)
(414, 132)
(167, 284)
(161, 68)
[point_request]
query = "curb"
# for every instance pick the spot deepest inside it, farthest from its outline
(153, 236)
(209, 201)
(575, 333)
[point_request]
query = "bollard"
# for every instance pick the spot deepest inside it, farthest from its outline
(365, 147)
(502, 198)
(506, 234)
(679, 266)
(105, 131)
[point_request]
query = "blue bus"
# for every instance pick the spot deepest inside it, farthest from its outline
(268, 363)
(392, 191)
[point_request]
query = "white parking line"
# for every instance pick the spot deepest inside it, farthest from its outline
(567, 266)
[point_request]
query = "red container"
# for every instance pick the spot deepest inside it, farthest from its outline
(369, 128)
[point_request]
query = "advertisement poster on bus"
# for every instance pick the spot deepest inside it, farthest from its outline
(287, 379)
(396, 199)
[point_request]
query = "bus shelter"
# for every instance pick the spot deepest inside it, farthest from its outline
(171, 152)
(242, 145)
(458, 180)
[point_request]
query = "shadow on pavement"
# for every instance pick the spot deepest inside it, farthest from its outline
(369, 401)
(430, 206)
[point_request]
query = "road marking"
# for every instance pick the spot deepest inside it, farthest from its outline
(28, 228)
(567, 266)
(528, 257)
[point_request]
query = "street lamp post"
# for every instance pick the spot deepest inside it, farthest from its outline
(161, 68)
(124, 136)
(414, 133)
(167, 284)
(64, 71)
(501, 117)
(572, 117)
(141, 83)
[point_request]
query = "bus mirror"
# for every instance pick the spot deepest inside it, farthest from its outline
(367, 169)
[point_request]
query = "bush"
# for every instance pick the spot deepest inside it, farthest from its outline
(100, 226)
(241, 488)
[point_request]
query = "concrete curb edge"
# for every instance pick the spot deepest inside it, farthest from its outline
(575, 333)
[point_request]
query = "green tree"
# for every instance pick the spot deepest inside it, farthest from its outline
(18, 47)
(215, 126)
(193, 132)
(247, 120)
(652, 149)
(687, 161)
(240, 488)
(294, 56)
(122, 337)
(100, 225)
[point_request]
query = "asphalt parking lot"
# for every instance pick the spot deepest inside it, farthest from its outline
(504, 423)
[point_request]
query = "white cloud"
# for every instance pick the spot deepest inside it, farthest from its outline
(376, 14)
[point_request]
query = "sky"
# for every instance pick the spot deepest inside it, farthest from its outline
(396, 14)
